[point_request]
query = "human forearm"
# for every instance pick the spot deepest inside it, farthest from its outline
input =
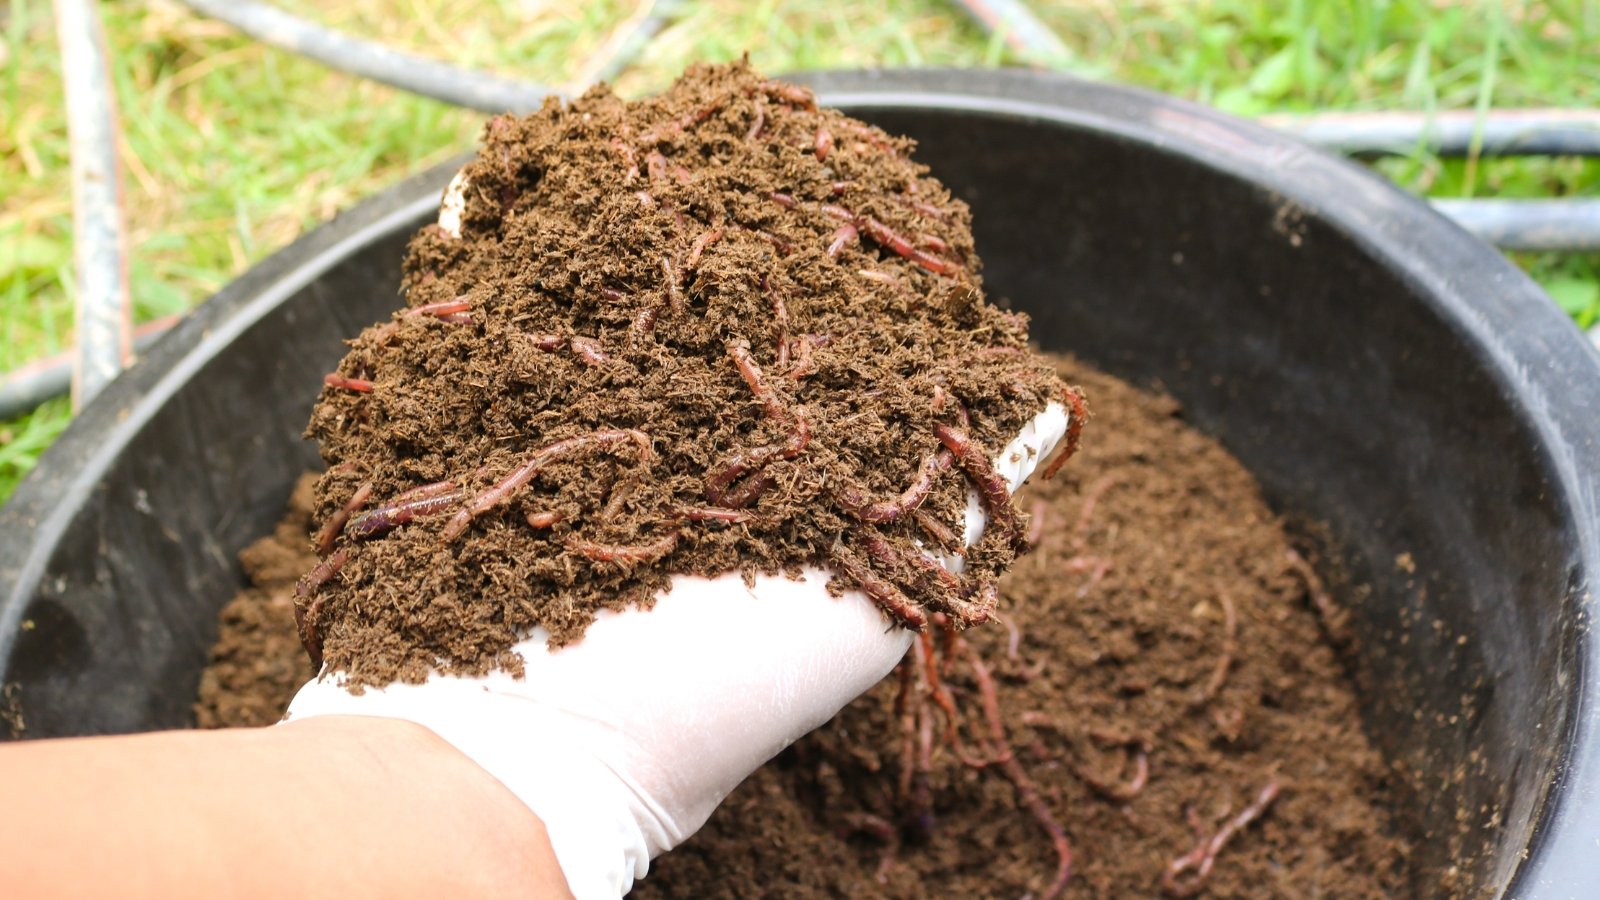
(348, 806)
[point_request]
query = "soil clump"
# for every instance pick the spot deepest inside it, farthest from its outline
(716, 330)
(1160, 618)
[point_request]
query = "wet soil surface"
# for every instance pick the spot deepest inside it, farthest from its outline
(720, 329)
(1123, 650)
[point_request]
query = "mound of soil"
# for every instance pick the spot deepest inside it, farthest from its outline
(1119, 646)
(720, 329)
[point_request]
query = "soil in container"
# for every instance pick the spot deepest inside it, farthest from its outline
(1164, 657)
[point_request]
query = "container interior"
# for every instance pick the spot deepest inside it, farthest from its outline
(1358, 405)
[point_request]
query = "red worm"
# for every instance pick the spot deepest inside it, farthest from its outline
(541, 458)
(890, 598)
(842, 239)
(309, 610)
(588, 350)
(991, 487)
(359, 385)
(889, 238)
(674, 286)
(384, 519)
(1079, 412)
(784, 200)
(628, 554)
(713, 513)
(441, 309)
(855, 503)
(335, 524)
(547, 342)
(824, 143)
(1204, 856)
(543, 520)
(700, 245)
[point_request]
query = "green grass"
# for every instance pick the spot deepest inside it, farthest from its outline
(233, 149)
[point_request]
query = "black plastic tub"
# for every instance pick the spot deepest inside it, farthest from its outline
(1381, 372)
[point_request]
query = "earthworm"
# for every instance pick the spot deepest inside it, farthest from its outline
(700, 244)
(754, 460)
(941, 534)
(803, 364)
(780, 319)
(712, 513)
(1079, 414)
(1091, 499)
(793, 95)
(1041, 510)
(384, 519)
(309, 609)
(1129, 789)
(541, 458)
(1204, 856)
(629, 156)
(655, 165)
(644, 321)
(934, 242)
(432, 489)
(784, 200)
(335, 524)
(1230, 632)
(889, 238)
(543, 520)
(890, 598)
(441, 309)
(628, 554)
(924, 654)
(588, 350)
(991, 486)
(744, 493)
(456, 318)
(842, 239)
(783, 247)
(744, 461)
(674, 286)
(1019, 779)
(759, 123)
(359, 385)
(837, 212)
(824, 143)
(867, 823)
(851, 498)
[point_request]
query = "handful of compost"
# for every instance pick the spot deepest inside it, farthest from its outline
(695, 416)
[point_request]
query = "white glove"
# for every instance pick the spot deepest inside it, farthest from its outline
(624, 742)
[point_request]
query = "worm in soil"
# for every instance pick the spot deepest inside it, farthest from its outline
(1230, 634)
(309, 608)
(541, 458)
(1078, 412)
(335, 524)
(377, 522)
(1204, 856)
(974, 460)
(359, 385)
(854, 502)
(628, 554)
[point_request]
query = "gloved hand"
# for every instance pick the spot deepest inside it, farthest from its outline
(624, 742)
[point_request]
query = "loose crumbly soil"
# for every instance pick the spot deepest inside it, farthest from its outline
(711, 328)
(1104, 667)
